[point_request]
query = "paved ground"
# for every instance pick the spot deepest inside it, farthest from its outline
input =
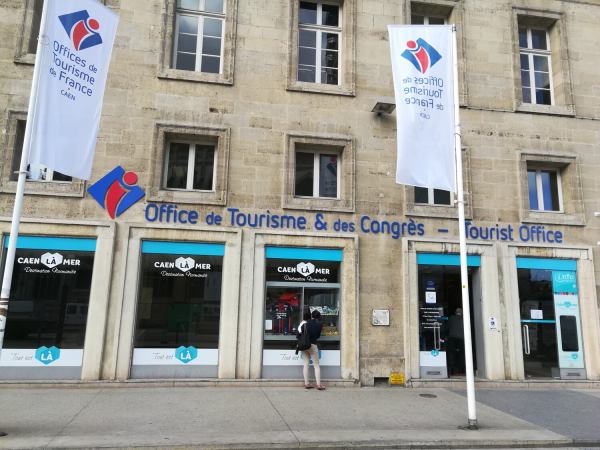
(294, 418)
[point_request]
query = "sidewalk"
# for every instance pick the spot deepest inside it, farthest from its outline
(285, 418)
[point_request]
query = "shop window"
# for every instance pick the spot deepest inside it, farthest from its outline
(544, 189)
(199, 35)
(35, 172)
(319, 35)
(536, 66)
(190, 166)
(317, 174)
(430, 196)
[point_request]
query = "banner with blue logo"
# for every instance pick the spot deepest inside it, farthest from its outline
(568, 320)
(77, 45)
(423, 85)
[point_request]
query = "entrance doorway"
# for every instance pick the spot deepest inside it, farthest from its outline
(441, 335)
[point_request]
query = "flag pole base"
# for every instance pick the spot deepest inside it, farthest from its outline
(473, 424)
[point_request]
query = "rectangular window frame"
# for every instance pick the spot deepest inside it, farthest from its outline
(201, 15)
(49, 177)
(191, 162)
(539, 189)
(426, 18)
(317, 173)
(320, 29)
(431, 196)
(530, 52)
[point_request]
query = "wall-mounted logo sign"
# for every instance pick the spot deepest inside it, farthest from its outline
(82, 30)
(47, 355)
(116, 192)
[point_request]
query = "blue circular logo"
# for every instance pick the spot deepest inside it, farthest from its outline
(435, 353)
(574, 355)
(567, 304)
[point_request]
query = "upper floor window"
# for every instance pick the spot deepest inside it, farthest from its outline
(427, 19)
(536, 77)
(544, 189)
(317, 174)
(431, 196)
(319, 43)
(199, 35)
(190, 166)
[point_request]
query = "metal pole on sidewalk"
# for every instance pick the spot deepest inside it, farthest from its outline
(463, 245)
(16, 219)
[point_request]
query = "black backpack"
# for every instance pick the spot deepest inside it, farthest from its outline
(303, 341)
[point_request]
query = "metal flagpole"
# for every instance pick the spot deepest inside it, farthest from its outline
(463, 245)
(16, 219)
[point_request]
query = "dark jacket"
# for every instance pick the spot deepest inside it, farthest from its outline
(314, 330)
(456, 327)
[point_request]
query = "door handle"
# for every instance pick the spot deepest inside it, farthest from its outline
(526, 343)
(436, 339)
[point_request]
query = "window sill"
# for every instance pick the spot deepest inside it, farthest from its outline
(299, 86)
(28, 59)
(553, 110)
(197, 77)
(553, 218)
(187, 197)
(315, 204)
(74, 189)
(437, 211)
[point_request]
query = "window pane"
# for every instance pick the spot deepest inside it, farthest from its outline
(538, 39)
(187, 43)
(329, 76)
(307, 56)
(533, 199)
(436, 21)
(188, 24)
(185, 61)
(568, 334)
(540, 63)
(543, 97)
(550, 190)
(523, 37)
(307, 38)
(211, 64)
(214, 6)
(441, 197)
(525, 80)
(308, 12)
(36, 21)
(542, 80)
(421, 195)
(524, 62)
(526, 95)
(189, 4)
(37, 172)
(305, 167)
(329, 59)
(329, 41)
(57, 176)
(204, 167)
(307, 74)
(211, 46)
(331, 15)
(212, 27)
(416, 19)
(328, 176)
(177, 169)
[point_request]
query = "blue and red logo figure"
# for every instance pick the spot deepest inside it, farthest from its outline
(82, 30)
(116, 191)
(421, 55)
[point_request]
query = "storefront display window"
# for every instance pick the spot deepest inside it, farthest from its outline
(49, 300)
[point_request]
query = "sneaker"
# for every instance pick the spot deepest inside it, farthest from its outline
(320, 388)
(309, 386)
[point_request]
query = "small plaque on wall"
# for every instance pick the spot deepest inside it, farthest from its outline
(381, 317)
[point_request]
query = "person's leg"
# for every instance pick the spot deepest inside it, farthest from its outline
(450, 356)
(305, 360)
(461, 358)
(314, 353)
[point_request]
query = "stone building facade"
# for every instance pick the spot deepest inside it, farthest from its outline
(531, 165)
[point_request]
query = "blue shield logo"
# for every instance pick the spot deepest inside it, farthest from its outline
(435, 353)
(567, 304)
(574, 355)
(47, 355)
(185, 355)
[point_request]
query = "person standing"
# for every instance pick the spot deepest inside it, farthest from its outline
(313, 328)
(456, 343)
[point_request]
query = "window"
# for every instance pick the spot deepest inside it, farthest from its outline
(319, 43)
(35, 172)
(317, 175)
(35, 26)
(190, 166)
(544, 189)
(430, 196)
(199, 36)
(427, 19)
(536, 77)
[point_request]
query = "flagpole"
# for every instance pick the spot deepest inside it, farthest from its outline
(16, 219)
(464, 277)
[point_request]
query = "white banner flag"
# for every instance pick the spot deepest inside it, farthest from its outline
(423, 84)
(77, 45)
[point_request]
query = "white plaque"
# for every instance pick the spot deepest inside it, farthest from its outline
(493, 323)
(381, 317)
(537, 314)
(430, 298)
